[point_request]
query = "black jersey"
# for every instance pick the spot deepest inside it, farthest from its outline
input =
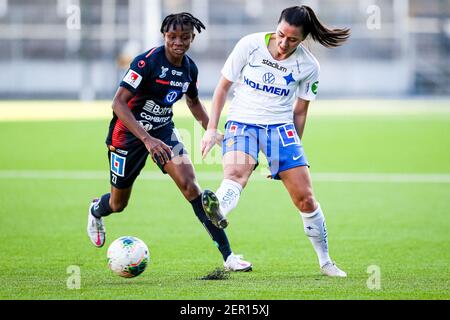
(156, 85)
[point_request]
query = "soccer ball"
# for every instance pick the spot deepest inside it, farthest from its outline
(128, 256)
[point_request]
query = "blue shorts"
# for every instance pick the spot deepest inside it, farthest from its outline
(280, 143)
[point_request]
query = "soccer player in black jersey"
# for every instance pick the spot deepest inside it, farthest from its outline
(142, 125)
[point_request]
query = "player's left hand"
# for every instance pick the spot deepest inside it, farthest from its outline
(208, 141)
(219, 138)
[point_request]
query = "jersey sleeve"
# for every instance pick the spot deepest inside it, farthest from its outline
(236, 61)
(192, 91)
(136, 74)
(307, 89)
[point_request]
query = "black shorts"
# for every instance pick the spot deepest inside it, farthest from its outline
(126, 164)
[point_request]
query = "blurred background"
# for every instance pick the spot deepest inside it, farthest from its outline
(79, 49)
(378, 140)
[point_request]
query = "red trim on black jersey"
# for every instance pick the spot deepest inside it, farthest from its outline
(166, 83)
(130, 103)
(119, 135)
(151, 52)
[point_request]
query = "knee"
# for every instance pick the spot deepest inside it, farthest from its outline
(305, 203)
(190, 189)
(118, 206)
(237, 176)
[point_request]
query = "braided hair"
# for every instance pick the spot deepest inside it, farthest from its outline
(181, 19)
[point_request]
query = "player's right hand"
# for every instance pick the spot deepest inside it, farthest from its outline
(159, 150)
(208, 141)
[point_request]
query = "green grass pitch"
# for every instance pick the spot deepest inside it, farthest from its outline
(50, 170)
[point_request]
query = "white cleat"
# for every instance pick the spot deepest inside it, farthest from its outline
(95, 227)
(330, 269)
(235, 263)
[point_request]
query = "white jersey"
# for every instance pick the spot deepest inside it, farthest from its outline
(266, 89)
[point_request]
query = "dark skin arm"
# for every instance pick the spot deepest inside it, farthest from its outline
(156, 148)
(199, 112)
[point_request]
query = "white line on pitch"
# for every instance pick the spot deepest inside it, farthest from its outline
(212, 176)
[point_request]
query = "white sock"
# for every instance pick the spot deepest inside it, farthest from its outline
(228, 195)
(316, 230)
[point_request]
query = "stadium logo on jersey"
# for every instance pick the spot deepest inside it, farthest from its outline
(274, 65)
(133, 78)
(288, 135)
(266, 88)
(314, 87)
(163, 72)
(171, 96)
(118, 164)
(268, 78)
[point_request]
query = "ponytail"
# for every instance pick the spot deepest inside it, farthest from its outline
(305, 17)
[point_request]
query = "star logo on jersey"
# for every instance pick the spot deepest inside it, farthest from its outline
(289, 78)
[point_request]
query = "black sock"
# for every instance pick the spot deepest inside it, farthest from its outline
(218, 235)
(102, 208)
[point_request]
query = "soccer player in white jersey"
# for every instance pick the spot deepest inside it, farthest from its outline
(276, 77)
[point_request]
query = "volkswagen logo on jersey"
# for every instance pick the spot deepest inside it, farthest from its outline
(171, 96)
(268, 78)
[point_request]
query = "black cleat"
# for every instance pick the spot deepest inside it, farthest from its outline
(211, 206)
